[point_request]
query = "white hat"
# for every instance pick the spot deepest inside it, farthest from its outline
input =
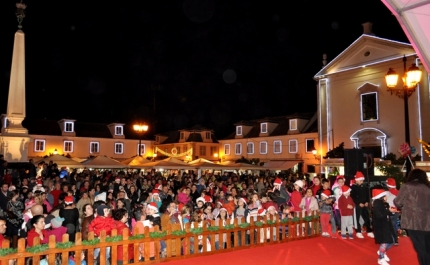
(101, 197)
(201, 199)
(299, 183)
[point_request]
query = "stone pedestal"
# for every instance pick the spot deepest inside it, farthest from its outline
(14, 148)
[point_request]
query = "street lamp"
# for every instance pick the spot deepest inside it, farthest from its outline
(411, 78)
(315, 153)
(140, 129)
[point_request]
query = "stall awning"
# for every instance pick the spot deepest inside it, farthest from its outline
(281, 164)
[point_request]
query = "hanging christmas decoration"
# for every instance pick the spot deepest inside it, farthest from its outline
(174, 152)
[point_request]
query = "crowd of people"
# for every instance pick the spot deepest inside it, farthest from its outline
(57, 202)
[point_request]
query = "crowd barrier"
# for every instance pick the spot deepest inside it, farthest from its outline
(179, 243)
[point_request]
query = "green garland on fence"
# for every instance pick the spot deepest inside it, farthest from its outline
(284, 221)
(296, 219)
(178, 233)
(65, 245)
(213, 228)
(244, 225)
(316, 217)
(307, 218)
(258, 223)
(114, 239)
(197, 230)
(140, 236)
(91, 242)
(271, 222)
(157, 234)
(228, 227)
(38, 248)
(7, 251)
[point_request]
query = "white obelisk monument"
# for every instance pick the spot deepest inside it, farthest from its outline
(14, 137)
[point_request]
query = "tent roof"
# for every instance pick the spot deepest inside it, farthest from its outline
(135, 161)
(200, 160)
(281, 164)
(414, 18)
(243, 166)
(102, 162)
(60, 161)
(167, 165)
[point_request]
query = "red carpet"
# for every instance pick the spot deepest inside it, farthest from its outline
(312, 251)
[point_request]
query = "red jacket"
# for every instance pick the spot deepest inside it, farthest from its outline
(120, 227)
(296, 199)
(33, 234)
(343, 203)
(101, 223)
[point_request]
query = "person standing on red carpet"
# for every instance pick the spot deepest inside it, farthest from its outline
(326, 213)
(346, 208)
(391, 195)
(384, 231)
(413, 200)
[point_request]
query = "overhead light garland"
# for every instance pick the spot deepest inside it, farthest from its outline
(189, 152)
(426, 146)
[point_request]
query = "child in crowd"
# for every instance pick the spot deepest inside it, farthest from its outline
(346, 208)
(57, 229)
(229, 205)
(391, 195)
(326, 213)
(384, 231)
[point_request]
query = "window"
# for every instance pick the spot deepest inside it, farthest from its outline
(142, 149)
(238, 130)
(208, 135)
(227, 149)
(202, 150)
(250, 148)
(277, 147)
(310, 145)
(179, 149)
(263, 127)
(293, 125)
(68, 146)
(118, 130)
(213, 150)
(94, 147)
(369, 106)
(292, 146)
(68, 126)
(119, 148)
(238, 149)
(39, 145)
(182, 136)
(263, 148)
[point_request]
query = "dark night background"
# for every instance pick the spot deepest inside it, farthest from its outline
(175, 64)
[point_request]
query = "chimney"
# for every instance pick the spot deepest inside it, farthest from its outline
(324, 61)
(367, 28)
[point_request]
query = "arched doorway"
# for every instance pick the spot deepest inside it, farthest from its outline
(371, 139)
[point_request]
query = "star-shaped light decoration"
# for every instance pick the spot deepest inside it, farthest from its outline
(20, 12)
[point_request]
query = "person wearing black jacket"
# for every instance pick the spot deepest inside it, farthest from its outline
(360, 196)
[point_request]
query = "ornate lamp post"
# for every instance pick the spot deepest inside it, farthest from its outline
(411, 78)
(140, 129)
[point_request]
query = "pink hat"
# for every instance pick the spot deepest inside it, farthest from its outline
(378, 193)
(153, 206)
(345, 189)
(340, 177)
(391, 183)
(277, 181)
(29, 204)
(359, 176)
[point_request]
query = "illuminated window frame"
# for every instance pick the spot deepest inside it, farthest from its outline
(263, 127)
(361, 106)
(238, 149)
(292, 144)
(94, 147)
(119, 148)
(39, 145)
(227, 149)
(69, 148)
(277, 144)
(238, 130)
(263, 150)
(250, 148)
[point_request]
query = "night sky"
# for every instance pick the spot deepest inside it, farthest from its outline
(175, 64)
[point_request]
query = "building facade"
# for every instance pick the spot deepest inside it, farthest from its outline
(278, 142)
(82, 140)
(187, 144)
(355, 107)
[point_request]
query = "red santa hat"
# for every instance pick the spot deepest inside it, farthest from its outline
(391, 183)
(39, 183)
(245, 201)
(221, 209)
(153, 206)
(208, 198)
(158, 186)
(117, 179)
(277, 181)
(359, 176)
(68, 200)
(340, 177)
(352, 182)
(326, 193)
(271, 207)
(200, 199)
(261, 212)
(345, 189)
(155, 192)
(219, 202)
(378, 193)
(180, 206)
